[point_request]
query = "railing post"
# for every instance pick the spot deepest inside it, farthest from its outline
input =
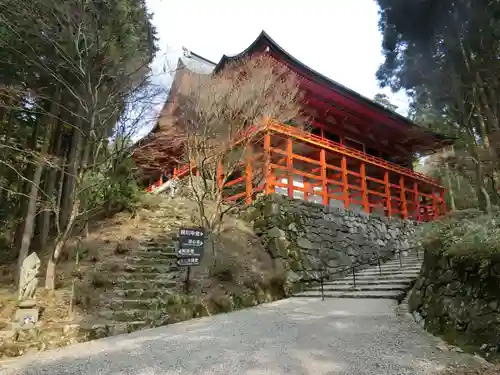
(289, 165)
(400, 259)
(345, 182)
(387, 185)
(404, 206)
(219, 174)
(322, 288)
(324, 185)
(268, 187)
(248, 180)
(364, 188)
(379, 265)
(354, 277)
(416, 200)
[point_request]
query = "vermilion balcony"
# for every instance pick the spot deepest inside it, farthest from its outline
(290, 161)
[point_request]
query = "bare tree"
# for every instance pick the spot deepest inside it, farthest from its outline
(219, 126)
(91, 73)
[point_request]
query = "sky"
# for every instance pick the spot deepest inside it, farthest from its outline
(338, 38)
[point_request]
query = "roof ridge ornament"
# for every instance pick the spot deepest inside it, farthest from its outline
(186, 52)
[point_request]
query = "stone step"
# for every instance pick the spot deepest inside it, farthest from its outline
(142, 294)
(406, 262)
(385, 267)
(352, 288)
(409, 256)
(376, 276)
(140, 315)
(384, 276)
(148, 261)
(108, 327)
(375, 281)
(159, 255)
(151, 268)
(147, 276)
(119, 304)
(376, 271)
(165, 237)
(161, 247)
(130, 284)
(389, 294)
(389, 270)
(397, 265)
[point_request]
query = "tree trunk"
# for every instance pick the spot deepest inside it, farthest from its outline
(490, 115)
(29, 220)
(6, 151)
(451, 193)
(50, 189)
(68, 228)
(29, 170)
(483, 196)
(46, 214)
(50, 274)
(68, 193)
(30, 217)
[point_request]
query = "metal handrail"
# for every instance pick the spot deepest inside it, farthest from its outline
(353, 268)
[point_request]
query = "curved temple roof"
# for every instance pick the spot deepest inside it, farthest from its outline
(264, 43)
(426, 139)
(192, 62)
(264, 40)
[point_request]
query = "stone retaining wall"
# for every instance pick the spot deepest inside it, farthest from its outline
(303, 236)
(458, 297)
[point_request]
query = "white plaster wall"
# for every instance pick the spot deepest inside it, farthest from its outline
(299, 182)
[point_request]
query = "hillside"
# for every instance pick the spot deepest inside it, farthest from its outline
(127, 279)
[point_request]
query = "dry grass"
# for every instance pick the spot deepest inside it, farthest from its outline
(484, 370)
(240, 261)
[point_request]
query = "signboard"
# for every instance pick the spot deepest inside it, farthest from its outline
(191, 246)
(188, 262)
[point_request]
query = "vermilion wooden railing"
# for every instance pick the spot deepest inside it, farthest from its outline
(415, 195)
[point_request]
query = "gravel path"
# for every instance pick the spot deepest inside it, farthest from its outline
(294, 336)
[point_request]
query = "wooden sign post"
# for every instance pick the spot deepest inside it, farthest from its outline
(191, 249)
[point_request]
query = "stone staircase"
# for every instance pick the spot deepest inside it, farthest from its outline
(142, 282)
(392, 281)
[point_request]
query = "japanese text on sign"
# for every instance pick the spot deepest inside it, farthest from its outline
(188, 261)
(191, 246)
(191, 232)
(186, 252)
(194, 242)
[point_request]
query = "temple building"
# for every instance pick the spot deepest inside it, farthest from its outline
(356, 154)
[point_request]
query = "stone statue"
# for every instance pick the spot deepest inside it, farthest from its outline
(28, 280)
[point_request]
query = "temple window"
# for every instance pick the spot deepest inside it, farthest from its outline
(348, 142)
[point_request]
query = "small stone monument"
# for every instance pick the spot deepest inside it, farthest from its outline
(27, 313)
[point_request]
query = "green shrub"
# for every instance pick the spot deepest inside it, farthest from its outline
(468, 233)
